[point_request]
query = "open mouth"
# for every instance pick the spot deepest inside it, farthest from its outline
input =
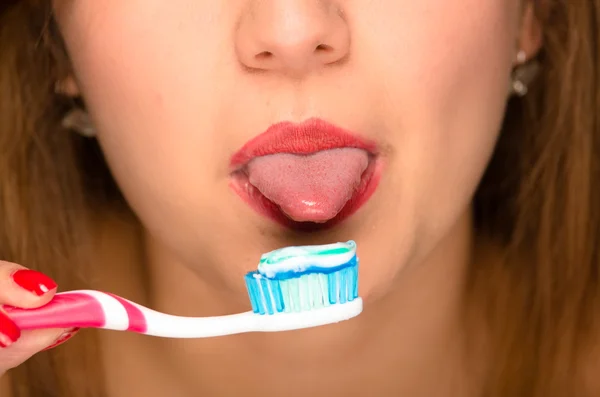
(313, 217)
(308, 176)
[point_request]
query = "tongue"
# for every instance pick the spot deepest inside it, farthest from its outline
(309, 188)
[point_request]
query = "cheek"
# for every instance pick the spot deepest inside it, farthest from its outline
(467, 90)
(155, 118)
(448, 85)
(153, 92)
(443, 75)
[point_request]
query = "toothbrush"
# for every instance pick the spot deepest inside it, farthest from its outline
(293, 288)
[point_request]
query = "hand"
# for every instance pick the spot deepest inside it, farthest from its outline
(23, 288)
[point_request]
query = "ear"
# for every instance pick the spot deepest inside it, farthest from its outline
(68, 87)
(531, 30)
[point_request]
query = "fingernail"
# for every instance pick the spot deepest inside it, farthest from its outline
(35, 282)
(9, 332)
(65, 336)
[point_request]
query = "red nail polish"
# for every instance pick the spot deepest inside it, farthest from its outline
(9, 332)
(65, 336)
(33, 281)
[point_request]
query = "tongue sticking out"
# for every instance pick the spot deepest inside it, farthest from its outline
(309, 188)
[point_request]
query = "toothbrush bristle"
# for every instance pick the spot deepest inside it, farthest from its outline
(308, 291)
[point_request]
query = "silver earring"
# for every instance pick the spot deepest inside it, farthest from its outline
(78, 120)
(523, 74)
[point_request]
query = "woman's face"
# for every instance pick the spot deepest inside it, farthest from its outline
(177, 88)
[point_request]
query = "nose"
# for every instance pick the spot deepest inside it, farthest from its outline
(292, 37)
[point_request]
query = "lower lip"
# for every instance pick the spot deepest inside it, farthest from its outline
(263, 206)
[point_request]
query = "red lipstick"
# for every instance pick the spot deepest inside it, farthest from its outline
(308, 175)
(311, 136)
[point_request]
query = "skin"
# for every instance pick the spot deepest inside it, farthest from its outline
(175, 88)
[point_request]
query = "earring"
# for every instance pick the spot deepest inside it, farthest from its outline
(78, 120)
(523, 74)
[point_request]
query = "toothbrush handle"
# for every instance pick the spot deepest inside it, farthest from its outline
(83, 309)
(95, 309)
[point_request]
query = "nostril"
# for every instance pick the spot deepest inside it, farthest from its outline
(264, 55)
(323, 48)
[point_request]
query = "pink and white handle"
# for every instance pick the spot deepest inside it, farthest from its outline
(95, 309)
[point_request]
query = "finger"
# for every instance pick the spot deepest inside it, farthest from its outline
(24, 288)
(66, 335)
(30, 343)
(9, 332)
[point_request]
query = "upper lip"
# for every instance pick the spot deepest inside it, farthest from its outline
(310, 136)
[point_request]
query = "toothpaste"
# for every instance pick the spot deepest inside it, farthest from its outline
(290, 261)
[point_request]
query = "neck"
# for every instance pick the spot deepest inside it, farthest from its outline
(401, 342)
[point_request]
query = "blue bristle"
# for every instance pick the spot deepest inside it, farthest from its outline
(306, 292)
